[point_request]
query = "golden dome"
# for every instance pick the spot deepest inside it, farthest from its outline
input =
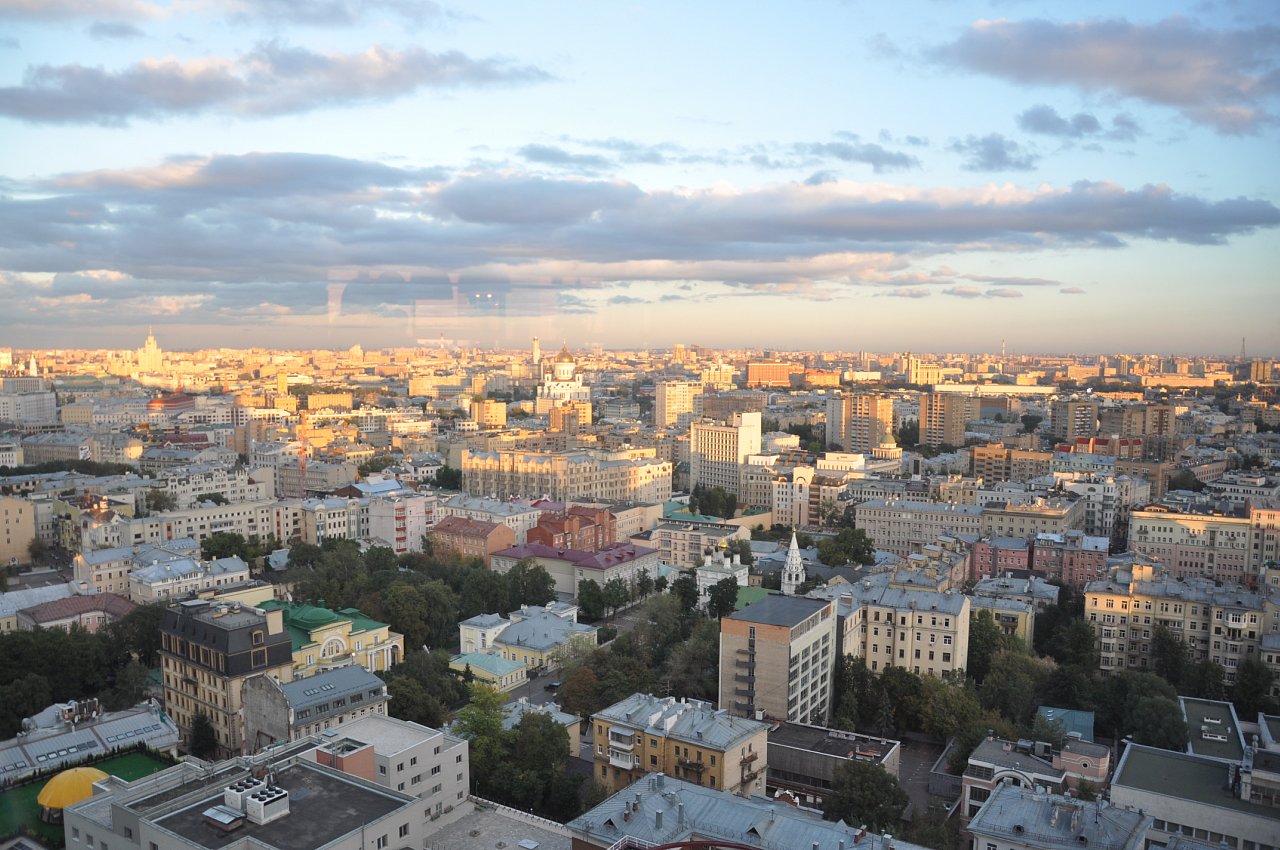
(69, 787)
(564, 356)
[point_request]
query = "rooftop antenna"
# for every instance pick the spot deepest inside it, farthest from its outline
(1243, 350)
(1002, 349)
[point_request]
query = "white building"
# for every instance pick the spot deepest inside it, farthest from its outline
(718, 450)
(561, 382)
(401, 521)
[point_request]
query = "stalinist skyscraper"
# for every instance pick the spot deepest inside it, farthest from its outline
(150, 357)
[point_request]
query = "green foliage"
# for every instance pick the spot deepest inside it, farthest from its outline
(1030, 421)
(986, 639)
(644, 585)
(87, 467)
(215, 498)
(480, 722)
(849, 546)
(377, 464)
(685, 589)
(159, 501)
(423, 688)
(203, 739)
(1205, 679)
(616, 594)
(1157, 722)
(1252, 689)
(529, 583)
(742, 548)
(224, 544)
(723, 598)
(908, 435)
(1049, 731)
(448, 478)
(1013, 685)
(590, 599)
(713, 501)
(1185, 479)
(864, 793)
(1169, 659)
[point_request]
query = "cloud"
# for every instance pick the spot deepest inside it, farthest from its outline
(411, 241)
(993, 152)
(310, 13)
(1072, 290)
(8, 43)
(113, 31)
(1219, 78)
(878, 157)
(557, 156)
(1045, 120)
(274, 79)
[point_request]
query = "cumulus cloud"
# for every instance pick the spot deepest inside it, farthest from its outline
(880, 158)
(56, 10)
(1220, 78)
(561, 158)
(274, 79)
(993, 152)
(511, 240)
(1072, 290)
(1044, 119)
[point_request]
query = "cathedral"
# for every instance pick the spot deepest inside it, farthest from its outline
(561, 382)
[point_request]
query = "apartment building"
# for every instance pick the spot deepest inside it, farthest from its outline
(859, 422)
(683, 544)
(902, 527)
(769, 374)
(630, 475)
(1196, 542)
(207, 650)
(674, 402)
(519, 516)
(1024, 818)
(1073, 558)
(570, 567)
(776, 657)
(997, 462)
(891, 621)
(470, 538)
(1070, 418)
(718, 450)
(17, 530)
(249, 519)
(181, 577)
(489, 413)
(235, 484)
(1030, 518)
(276, 711)
(943, 417)
(685, 739)
(401, 521)
(1218, 621)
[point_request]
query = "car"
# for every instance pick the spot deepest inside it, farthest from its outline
(551, 686)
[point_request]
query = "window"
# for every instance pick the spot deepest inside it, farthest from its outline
(435, 770)
(414, 760)
(404, 830)
(381, 842)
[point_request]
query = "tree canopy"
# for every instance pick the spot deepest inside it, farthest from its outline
(864, 793)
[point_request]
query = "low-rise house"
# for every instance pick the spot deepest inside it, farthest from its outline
(324, 639)
(1018, 818)
(185, 576)
(90, 612)
(803, 759)
(493, 670)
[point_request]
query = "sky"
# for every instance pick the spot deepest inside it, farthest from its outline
(927, 176)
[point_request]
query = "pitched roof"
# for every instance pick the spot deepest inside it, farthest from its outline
(75, 606)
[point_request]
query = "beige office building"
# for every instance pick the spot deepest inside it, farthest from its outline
(776, 657)
(673, 400)
(717, 450)
(859, 422)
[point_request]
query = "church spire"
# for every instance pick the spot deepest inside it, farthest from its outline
(792, 568)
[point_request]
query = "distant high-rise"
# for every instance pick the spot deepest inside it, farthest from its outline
(150, 357)
(859, 422)
(943, 417)
(536, 353)
(1074, 417)
(673, 400)
(717, 450)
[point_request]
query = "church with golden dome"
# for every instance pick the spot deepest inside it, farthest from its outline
(561, 382)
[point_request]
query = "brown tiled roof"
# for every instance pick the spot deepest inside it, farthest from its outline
(110, 604)
(464, 527)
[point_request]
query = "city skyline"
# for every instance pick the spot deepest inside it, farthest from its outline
(937, 177)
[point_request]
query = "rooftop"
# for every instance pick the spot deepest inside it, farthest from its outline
(323, 807)
(692, 720)
(1032, 819)
(494, 665)
(780, 610)
(1072, 720)
(1182, 776)
(831, 742)
(499, 827)
(324, 686)
(1213, 728)
(387, 735)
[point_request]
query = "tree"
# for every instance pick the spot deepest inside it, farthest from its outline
(1157, 722)
(849, 546)
(305, 555)
(380, 558)
(1013, 684)
(160, 501)
(644, 584)
(203, 740)
(224, 544)
(1169, 658)
(864, 793)
(986, 639)
(829, 511)
(530, 583)
(908, 436)
(1252, 689)
(130, 686)
(616, 594)
(945, 708)
(1204, 679)
(448, 478)
(411, 701)
(1076, 644)
(1030, 421)
(38, 550)
(723, 598)
(590, 599)
(484, 592)
(139, 632)
(685, 588)
(580, 692)
(1051, 732)
(692, 668)
(215, 498)
(480, 722)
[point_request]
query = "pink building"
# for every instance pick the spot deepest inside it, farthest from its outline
(1073, 559)
(994, 556)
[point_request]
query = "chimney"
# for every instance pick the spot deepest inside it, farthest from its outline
(657, 820)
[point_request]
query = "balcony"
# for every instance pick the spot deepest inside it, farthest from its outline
(743, 664)
(621, 742)
(625, 761)
(690, 764)
(749, 758)
(745, 678)
(744, 692)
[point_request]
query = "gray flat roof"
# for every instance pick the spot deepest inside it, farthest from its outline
(495, 828)
(822, 740)
(1182, 776)
(1212, 718)
(780, 610)
(322, 808)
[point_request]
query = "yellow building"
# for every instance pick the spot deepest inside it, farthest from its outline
(324, 639)
(687, 739)
(17, 530)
